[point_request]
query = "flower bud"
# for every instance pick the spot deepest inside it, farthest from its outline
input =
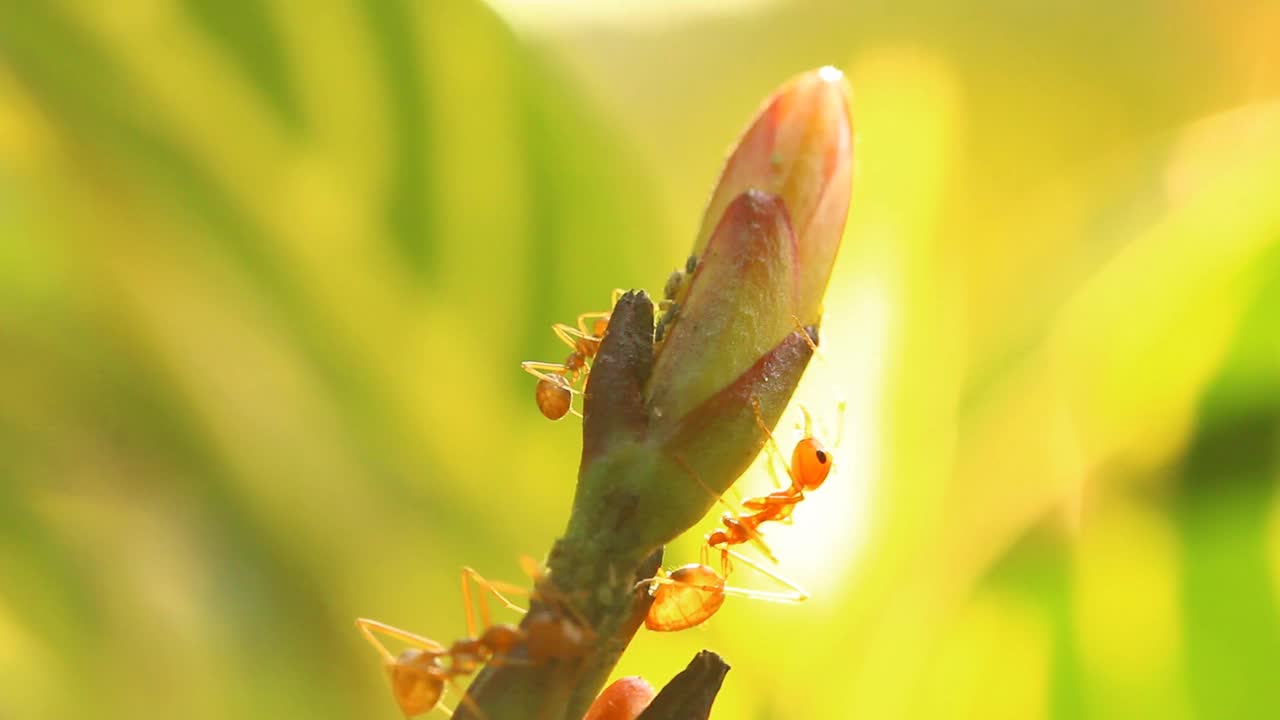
(624, 699)
(669, 426)
(799, 148)
(767, 244)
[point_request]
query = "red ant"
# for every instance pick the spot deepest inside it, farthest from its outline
(693, 593)
(419, 674)
(555, 389)
(557, 382)
(810, 464)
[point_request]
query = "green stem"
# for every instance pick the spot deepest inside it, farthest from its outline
(594, 569)
(645, 478)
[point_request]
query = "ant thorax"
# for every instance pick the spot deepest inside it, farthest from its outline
(467, 656)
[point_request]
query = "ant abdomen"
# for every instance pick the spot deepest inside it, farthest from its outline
(417, 681)
(687, 597)
(553, 396)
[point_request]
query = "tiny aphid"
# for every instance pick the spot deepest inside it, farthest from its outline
(669, 307)
(674, 282)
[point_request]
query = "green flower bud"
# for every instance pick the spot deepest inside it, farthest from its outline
(669, 426)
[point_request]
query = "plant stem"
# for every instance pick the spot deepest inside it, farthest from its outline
(596, 565)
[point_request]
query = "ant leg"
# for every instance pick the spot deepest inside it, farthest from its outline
(468, 607)
(719, 498)
(465, 699)
(795, 597)
(567, 333)
(822, 430)
(772, 465)
(543, 589)
(656, 580)
(366, 627)
(840, 408)
(469, 575)
(754, 535)
(497, 587)
(808, 420)
(584, 317)
(840, 402)
(556, 375)
(668, 580)
(733, 492)
(807, 339)
(795, 593)
(535, 368)
(532, 568)
(564, 604)
(737, 498)
(771, 446)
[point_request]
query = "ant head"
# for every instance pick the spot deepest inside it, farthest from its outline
(417, 681)
(811, 462)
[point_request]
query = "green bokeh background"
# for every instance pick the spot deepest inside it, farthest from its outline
(267, 270)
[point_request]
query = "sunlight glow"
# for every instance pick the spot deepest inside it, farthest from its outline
(818, 549)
